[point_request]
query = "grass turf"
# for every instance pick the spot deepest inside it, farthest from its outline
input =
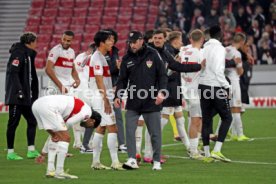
(260, 153)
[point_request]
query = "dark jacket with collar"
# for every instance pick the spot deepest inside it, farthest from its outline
(21, 76)
(142, 71)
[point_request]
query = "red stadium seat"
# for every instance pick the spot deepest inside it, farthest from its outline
(121, 45)
(95, 20)
(63, 20)
(48, 20)
(109, 20)
(46, 29)
(127, 3)
(93, 11)
(64, 12)
(126, 11)
(140, 11)
(50, 12)
(85, 45)
(111, 11)
(40, 62)
(78, 20)
(91, 28)
(80, 12)
(35, 12)
(59, 29)
(88, 37)
(52, 44)
(67, 3)
(82, 3)
(153, 10)
(139, 19)
(32, 29)
(151, 19)
(123, 19)
(56, 38)
(42, 47)
(75, 46)
(76, 28)
(78, 37)
(42, 54)
(122, 36)
(97, 3)
(44, 38)
(123, 28)
(52, 3)
(150, 26)
(112, 3)
(33, 21)
(38, 3)
(138, 27)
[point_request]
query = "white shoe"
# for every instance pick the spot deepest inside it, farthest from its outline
(122, 148)
(50, 174)
(156, 166)
(196, 156)
(117, 166)
(64, 175)
(131, 164)
(99, 166)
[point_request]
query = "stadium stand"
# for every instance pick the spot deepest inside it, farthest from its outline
(85, 17)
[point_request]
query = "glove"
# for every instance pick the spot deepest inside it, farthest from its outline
(20, 95)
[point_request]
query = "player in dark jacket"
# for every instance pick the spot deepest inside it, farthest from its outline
(21, 92)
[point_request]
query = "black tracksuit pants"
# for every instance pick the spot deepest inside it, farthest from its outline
(211, 102)
(15, 112)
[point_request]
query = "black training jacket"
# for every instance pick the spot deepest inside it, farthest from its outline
(142, 70)
(21, 76)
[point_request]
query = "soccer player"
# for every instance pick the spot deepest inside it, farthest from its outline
(234, 74)
(214, 94)
(191, 54)
(100, 82)
(82, 62)
(55, 114)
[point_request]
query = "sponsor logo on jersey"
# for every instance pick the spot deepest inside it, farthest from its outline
(97, 67)
(67, 63)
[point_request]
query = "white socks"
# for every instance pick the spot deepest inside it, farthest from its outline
(10, 150)
(112, 146)
(97, 147)
(218, 126)
(218, 146)
(31, 148)
(237, 123)
(207, 151)
(148, 147)
(180, 123)
(193, 145)
(78, 132)
(164, 121)
(52, 152)
(45, 147)
(138, 137)
(61, 155)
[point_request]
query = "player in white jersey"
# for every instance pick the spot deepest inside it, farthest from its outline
(233, 74)
(191, 54)
(55, 114)
(82, 62)
(60, 66)
(100, 82)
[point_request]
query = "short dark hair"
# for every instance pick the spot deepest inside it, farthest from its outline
(215, 32)
(113, 33)
(101, 36)
(92, 46)
(28, 38)
(69, 33)
(148, 35)
(159, 31)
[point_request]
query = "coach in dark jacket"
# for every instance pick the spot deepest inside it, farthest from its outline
(143, 72)
(21, 92)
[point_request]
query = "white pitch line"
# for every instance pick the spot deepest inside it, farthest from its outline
(228, 140)
(233, 161)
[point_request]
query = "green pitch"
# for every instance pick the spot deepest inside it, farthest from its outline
(254, 162)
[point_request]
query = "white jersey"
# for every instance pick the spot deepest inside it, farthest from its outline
(55, 111)
(63, 61)
(99, 66)
(231, 53)
(82, 66)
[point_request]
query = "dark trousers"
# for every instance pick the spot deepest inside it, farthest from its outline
(15, 112)
(214, 99)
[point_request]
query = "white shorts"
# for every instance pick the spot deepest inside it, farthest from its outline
(48, 118)
(107, 119)
(236, 97)
(171, 110)
(194, 108)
